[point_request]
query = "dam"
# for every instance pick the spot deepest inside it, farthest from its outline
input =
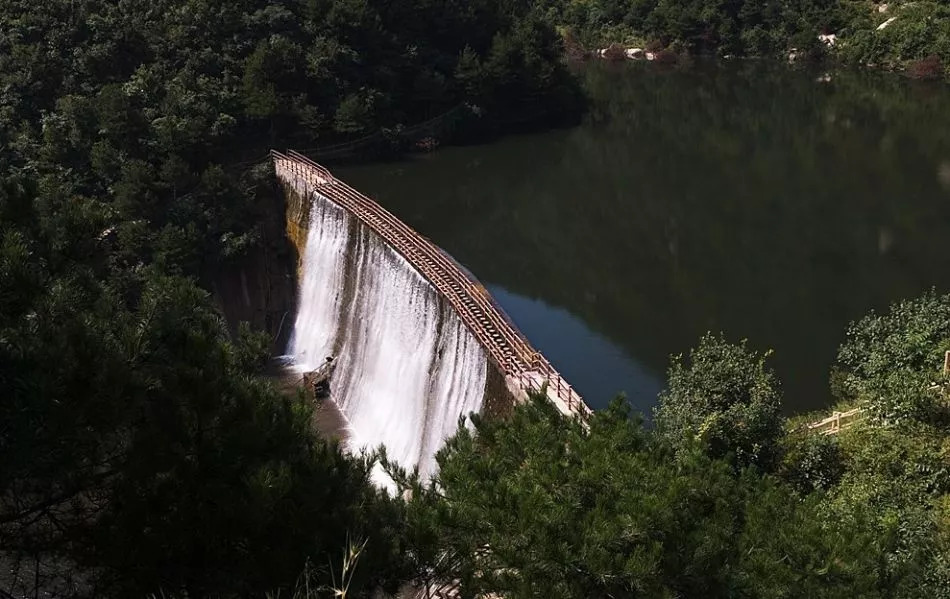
(418, 342)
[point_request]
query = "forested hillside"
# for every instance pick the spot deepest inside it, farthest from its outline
(896, 34)
(141, 454)
(138, 453)
(723, 498)
(145, 105)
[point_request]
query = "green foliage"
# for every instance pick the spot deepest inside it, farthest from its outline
(140, 455)
(893, 362)
(893, 481)
(137, 452)
(770, 27)
(220, 468)
(356, 112)
(726, 401)
(920, 29)
(745, 27)
(897, 465)
(524, 63)
(812, 462)
(140, 108)
(271, 77)
(252, 348)
(542, 506)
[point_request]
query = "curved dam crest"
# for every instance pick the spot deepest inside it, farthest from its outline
(418, 343)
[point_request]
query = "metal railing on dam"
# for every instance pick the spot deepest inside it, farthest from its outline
(523, 366)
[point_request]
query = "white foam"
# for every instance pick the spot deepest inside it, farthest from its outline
(406, 368)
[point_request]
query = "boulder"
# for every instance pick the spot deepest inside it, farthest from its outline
(635, 53)
(829, 40)
(614, 52)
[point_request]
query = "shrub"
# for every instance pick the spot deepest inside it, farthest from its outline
(892, 363)
(812, 462)
(725, 399)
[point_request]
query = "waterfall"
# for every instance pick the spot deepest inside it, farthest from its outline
(406, 366)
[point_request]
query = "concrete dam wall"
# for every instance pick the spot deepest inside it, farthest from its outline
(418, 343)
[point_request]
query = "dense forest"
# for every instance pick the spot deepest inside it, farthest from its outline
(141, 453)
(897, 34)
(722, 498)
(138, 451)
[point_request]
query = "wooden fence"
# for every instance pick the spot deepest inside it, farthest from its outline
(839, 421)
(835, 423)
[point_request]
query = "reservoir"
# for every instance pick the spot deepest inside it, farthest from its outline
(774, 204)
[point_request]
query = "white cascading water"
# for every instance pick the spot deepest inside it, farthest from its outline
(406, 366)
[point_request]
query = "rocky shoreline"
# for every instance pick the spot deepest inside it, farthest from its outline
(825, 45)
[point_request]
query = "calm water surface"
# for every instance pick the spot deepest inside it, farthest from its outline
(745, 198)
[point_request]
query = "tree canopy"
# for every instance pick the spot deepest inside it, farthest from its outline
(914, 37)
(139, 452)
(893, 362)
(727, 400)
(540, 506)
(723, 498)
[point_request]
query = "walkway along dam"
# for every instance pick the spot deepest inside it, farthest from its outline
(418, 341)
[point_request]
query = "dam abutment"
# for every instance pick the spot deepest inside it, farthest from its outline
(260, 287)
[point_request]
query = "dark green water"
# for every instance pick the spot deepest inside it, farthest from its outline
(748, 198)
